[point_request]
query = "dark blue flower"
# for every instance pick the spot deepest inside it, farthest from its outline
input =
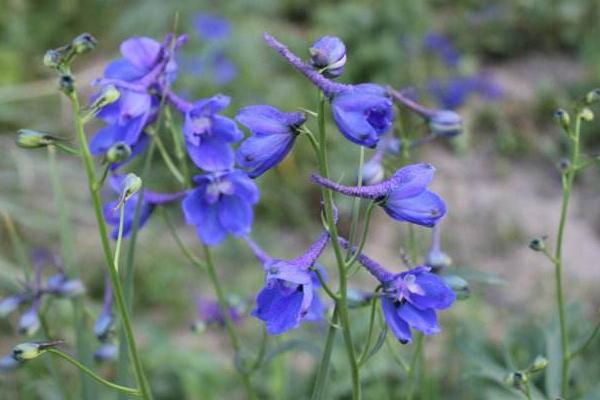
(404, 196)
(273, 135)
(221, 205)
(211, 27)
(411, 298)
(290, 294)
(150, 200)
(454, 92)
(328, 54)
(208, 134)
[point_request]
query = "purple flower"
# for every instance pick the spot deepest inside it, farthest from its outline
(411, 298)
(211, 27)
(442, 47)
(362, 112)
(106, 319)
(273, 135)
(60, 285)
(10, 304)
(220, 205)
(328, 54)
(150, 200)
(454, 92)
(208, 134)
(404, 196)
(106, 352)
(223, 68)
(290, 293)
(210, 313)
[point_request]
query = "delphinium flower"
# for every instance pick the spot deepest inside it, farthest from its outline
(436, 259)
(362, 112)
(328, 54)
(103, 327)
(221, 205)
(290, 295)
(211, 27)
(273, 135)
(410, 299)
(145, 65)
(209, 312)
(208, 135)
(442, 47)
(150, 201)
(404, 196)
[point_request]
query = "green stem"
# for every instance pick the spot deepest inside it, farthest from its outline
(180, 153)
(66, 239)
(567, 184)
(93, 375)
(322, 373)
(167, 159)
(341, 302)
(585, 344)
(413, 365)
(52, 367)
(119, 236)
(223, 305)
(114, 276)
(363, 238)
(356, 204)
(365, 352)
(66, 149)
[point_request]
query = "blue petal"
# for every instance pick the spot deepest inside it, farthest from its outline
(437, 293)
(398, 326)
(105, 138)
(422, 320)
(258, 154)
(425, 209)
(211, 154)
(141, 52)
(412, 180)
(244, 186)
(210, 106)
(226, 129)
(194, 206)
(123, 70)
(209, 228)
(281, 313)
(264, 120)
(235, 215)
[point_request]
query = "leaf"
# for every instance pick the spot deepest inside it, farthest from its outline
(554, 355)
(380, 341)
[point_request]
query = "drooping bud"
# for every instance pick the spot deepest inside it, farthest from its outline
(30, 350)
(106, 352)
(329, 55)
(103, 326)
(109, 95)
(29, 323)
(131, 184)
(60, 285)
(586, 114)
(446, 123)
(30, 139)
(563, 165)
(84, 43)
(437, 260)
(538, 244)
(118, 152)
(58, 58)
(458, 285)
(516, 379)
(8, 364)
(372, 173)
(563, 119)
(198, 326)
(66, 84)
(592, 97)
(9, 304)
(538, 364)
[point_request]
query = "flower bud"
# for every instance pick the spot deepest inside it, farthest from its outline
(437, 260)
(328, 54)
(198, 326)
(586, 114)
(372, 173)
(106, 352)
(118, 152)
(458, 285)
(29, 323)
(539, 364)
(538, 244)
(60, 285)
(445, 123)
(516, 379)
(109, 95)
(131, 184)
(84, 43)
(592, 97)
(563, 119)
(8, 364)
(58, 58)
(9, 304)
(103, 326)
(563, 165)
(66, 84)
(358, 298)
(30, 139)
(30, 350)
(394, 147)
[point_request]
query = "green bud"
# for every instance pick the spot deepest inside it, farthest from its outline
(516, 379)
(562, 118)
(131, 184)
(539, 364)
(592, 97)
(586, 114)
(458, 285)
(538, 244)
(66, 84)
(199, 327)
(30, 350)
(58, 58)
(563, 165)
(30, 139)
(118, 152)
(84, 43)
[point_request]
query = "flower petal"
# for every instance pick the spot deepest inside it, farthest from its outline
(281, 313)
(425, 209)
(437, 293)
(261, 153)
(211, 154)
(141, 52)
(235, 215)
(422, 320)
(398, 326)
(226, 129)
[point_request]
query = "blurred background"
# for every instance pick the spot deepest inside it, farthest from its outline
(504, 66)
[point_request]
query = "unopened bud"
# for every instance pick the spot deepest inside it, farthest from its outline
(109, 95)
(329, 54)
(438, 260)
(563, 119)
(592, 97)
(30, 139)
(84, 43)
(458, 285)
(8, 364)
(29, 323)
(372, 173)
(538, 244)
(445, 123)
(66, 84)
(563, 165)
(118, 152)
(106, 352)
(198, 326)
(586, 114)
(103, 326)
(30, 350)
(539, 364)
(58, 58)
(131, 184)
(516, 379)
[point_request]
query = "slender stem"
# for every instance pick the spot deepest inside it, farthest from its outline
(103, 177)
(363, 238)
(527, 390)
(356, 204)
(322, 373)
(567, 184)
(341, 302)
(66, 149)
(184, 249)
(52, 367)
(261, 351)
(235, 342)
(413, 365)
(93, 375)
(585, 345)
(324, 285)
(66, 239)
(114, 276)
(119, 236)
(167, 159)
(18, 247)
(365, 352)
(180, 153)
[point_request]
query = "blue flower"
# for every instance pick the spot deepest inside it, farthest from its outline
(273, 135)
(328, 54)
(150, 200)
(208, 134)
(290, 295)
(404, 196)
(442, 47)
(436, 259)
(211, 27)
(411, 298)
(454, 92)
(221, 205)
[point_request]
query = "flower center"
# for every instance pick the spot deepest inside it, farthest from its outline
(406, 286)
(218, 188)
(201, 125)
